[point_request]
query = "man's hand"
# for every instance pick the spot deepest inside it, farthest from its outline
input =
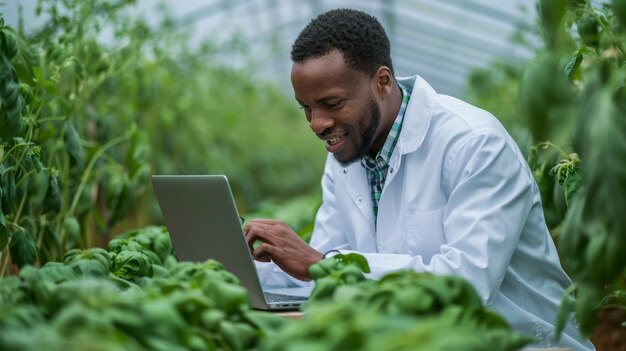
(281, 245)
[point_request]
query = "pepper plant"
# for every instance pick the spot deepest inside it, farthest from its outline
(584, 110)
(86, 123)
(571, 102)
(60, 170)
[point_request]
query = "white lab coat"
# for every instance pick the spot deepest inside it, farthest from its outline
(459, 199)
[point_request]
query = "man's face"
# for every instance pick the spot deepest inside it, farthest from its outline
(339, 105)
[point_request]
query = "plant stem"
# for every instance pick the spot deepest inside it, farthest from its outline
(19, 182)
(547, 144)
(86, 175)
(18, 213)
(5, 261)
(50, 119)
(11, 150)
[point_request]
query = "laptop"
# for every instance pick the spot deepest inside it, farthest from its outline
(203, 222)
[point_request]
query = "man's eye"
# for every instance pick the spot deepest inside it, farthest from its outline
(335, 104)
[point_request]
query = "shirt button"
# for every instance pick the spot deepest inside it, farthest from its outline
(391, 170)
(345, 171)
(360, 199)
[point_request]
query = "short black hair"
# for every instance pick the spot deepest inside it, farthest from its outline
(357, 35)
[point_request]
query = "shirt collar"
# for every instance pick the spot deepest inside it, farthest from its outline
(383, 156)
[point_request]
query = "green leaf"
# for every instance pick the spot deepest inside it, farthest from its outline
(22, 247)
(545, 96)
(7, 182)
(8, 42)
(52, 201)
(123, 203)
(11, 123)
(268, 323)
(51, 87)
(4, 233)
(71, 226)
(131, 264)
(573, 65)
(50, 249)
(551, 13)
(355, 259)
(587, 27)
(91, 262)
(567, 308)
(26, 92)
(568, 175)
(74, 147)
(37, 188)
(571, 185)
(619, 9)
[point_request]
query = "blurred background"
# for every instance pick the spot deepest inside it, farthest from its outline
(209, 86)
(206, 84)
(442, 40)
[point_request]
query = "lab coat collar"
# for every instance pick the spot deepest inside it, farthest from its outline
(418, 114)
(417, 118)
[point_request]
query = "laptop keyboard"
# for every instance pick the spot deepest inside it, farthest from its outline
(271, 297)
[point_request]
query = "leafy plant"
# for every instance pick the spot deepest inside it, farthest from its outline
(67, 305)
(51, 169)
(404, 310)
(592, 238)
(572, 97)
(84, 124)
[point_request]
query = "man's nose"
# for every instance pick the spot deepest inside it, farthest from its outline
(320, 122)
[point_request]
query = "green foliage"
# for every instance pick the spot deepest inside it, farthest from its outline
(572, 96)
(67, 305)
(592, 238)
(22, 247)
(404, 310)
(545, 96)
(11, 100)
(338, 270)
(84, 124)
(567, 173)
(552, 13)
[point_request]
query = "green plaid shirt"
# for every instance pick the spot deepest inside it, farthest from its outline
(376, 169)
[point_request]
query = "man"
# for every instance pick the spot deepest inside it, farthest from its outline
(415, 180)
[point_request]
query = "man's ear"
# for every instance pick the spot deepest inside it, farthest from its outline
(384, 81)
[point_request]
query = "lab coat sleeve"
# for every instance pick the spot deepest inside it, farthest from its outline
(490, 194)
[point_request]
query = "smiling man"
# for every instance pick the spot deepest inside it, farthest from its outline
(343, 108)
(415, 180)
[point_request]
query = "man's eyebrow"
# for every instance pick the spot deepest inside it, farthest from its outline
(325, 99)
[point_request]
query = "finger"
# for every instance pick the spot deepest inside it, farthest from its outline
(264, 252)
(251, 225)
(259, 233)
(266, 221)
(249, 237)
(262, 258)
(250, 245)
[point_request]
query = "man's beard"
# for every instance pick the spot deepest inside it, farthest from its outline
(367, 129)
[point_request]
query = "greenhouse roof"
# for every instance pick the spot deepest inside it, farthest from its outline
(440, 40)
